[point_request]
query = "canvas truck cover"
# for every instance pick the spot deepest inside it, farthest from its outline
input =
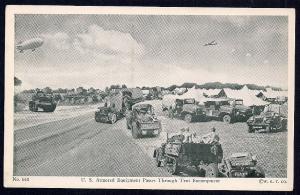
(136, 92)
(280, 109)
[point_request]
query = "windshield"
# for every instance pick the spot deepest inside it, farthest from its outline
(238, 102)
(144, 109)
(189, 101)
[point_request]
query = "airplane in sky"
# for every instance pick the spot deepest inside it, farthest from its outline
(210, 43)
(30, 44)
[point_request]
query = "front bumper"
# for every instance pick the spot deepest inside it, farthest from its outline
(101, 117)
(150, 131)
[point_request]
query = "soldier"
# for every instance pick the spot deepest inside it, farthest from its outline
(211, 137)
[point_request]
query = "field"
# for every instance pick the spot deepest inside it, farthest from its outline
(68, 142)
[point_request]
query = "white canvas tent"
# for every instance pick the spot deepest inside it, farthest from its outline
(248, 96)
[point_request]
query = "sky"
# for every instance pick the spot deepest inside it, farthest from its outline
(151, 50)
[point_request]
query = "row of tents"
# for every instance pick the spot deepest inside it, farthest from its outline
(250, 97)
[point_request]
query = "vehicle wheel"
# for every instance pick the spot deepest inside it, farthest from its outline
(258, 172)
(172, 166)
(36, 108)
(113, 118)
(158, 157)
(278, 126)
(268, 129)
(250, 129)
(170, 114)
(188, 118)
(226, 118)
(284, 125)
(31, 107)
(211, 170)
(127, 124)
(97, 119)
(134, 130)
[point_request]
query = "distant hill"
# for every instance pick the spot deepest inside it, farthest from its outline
(219, 85)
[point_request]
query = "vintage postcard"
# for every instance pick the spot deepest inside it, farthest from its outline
(149, 98)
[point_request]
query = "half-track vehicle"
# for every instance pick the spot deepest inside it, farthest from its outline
(116, 105)
(179, 152)
(186, 109)
(43, 101)
(272, 119)
(241, 165)
(142, 120)
(227, 110)
(205, 153)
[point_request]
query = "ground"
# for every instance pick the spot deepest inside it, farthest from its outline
(70, 143)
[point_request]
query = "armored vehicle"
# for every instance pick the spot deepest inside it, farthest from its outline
(43, 101)
(142, 120)
(117, 103)
(272, 119)
(241, 165)
(187, 109)
(177, 153)
(228, 110)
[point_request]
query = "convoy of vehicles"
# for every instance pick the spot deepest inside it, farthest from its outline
(42, 100)
(272, 119)
(142, 121)
(181, 150)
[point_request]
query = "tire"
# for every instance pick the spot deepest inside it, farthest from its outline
(284, 125)
(250, 129)
(113, 118)
(278, 127)
(258, 172)
(188, 118)
(170, 114)
(268, 129)
(128, 127)
(134, 131)
(211, 170)
(97, 119)
(227, 118)
(49, 109)
(166, 113)
(158, 154)
(172, 167)
(31, 107)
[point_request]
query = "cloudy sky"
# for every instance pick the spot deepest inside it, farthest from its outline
(100, 50)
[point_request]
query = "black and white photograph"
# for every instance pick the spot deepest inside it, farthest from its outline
(153, 98)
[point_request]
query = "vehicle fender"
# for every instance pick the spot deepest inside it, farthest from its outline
(224, 113)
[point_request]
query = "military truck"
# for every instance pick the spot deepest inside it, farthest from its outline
(142, 120)
(183, 150)
(176, 154)
(186, 109)
(227, 110)
(42, 100)
(241, 165)
(272, 119)
(117, 103)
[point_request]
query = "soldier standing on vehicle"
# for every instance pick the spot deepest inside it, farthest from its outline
(211, 137)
